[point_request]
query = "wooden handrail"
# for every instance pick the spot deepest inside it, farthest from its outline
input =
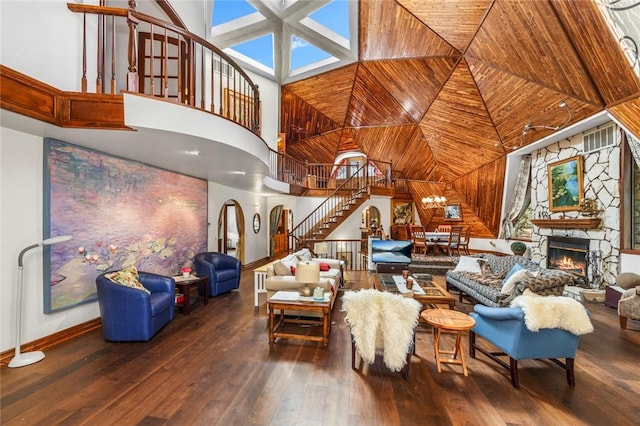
(195, 54)
(331, 206)
(98, 10)
(122, 12)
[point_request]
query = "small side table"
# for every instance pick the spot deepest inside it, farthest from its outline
(448, 320)
(185, 285)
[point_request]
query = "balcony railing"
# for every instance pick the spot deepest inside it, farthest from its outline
(142, 54)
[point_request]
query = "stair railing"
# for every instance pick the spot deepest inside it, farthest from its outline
(165, 61)
(336, 204)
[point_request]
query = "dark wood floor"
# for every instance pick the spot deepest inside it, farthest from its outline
(215, 367)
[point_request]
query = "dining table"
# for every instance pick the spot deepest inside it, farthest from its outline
(433, 238)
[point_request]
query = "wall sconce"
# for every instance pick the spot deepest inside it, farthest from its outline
(433, 202)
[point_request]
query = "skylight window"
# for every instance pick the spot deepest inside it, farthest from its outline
(259, 49)
(226, 11)
(254, 34)
(304, 53)
(335, 16)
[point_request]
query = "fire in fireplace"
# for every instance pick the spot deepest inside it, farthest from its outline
(569, 254)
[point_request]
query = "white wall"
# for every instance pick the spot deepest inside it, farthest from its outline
(21, 179)
(256, 245)
(40, 28)
(630, 263)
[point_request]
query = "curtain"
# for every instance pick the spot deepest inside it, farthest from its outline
(274, 220)
(520, 198)
(634, 146)
(240, 228)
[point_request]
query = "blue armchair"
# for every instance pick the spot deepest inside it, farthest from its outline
(505, 329)
(223, 271)
(130, 314)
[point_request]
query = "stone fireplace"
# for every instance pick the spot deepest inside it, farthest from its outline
(569, 254)
(601, 183)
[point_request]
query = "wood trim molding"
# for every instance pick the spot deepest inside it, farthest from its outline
(253, 265)
(54, 339)
(171, 13)
(567, 223)
(27, 96)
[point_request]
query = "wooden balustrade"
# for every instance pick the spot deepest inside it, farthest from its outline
(165, 60)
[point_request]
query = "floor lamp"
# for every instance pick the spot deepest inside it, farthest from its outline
(28, 358)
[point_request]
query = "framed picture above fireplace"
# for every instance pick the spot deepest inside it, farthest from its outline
(565, 184)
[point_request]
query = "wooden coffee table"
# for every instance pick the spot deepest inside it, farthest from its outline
(443, 319)
(290, 300)
(185, 285)
(431, 294)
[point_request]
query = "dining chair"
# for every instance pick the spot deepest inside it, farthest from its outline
(464, 242)
(443, 228)
(418, 239)
(453, 242)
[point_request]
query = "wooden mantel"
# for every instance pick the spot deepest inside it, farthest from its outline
(582, 223)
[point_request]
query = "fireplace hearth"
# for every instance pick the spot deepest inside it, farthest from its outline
(569, 254)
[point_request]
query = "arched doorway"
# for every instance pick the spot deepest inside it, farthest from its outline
(279, 226)
(371, 219)
(231, 230)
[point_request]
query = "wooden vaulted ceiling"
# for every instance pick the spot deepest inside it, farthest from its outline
(444, 88)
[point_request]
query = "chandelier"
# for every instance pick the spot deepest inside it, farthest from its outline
(433, 202)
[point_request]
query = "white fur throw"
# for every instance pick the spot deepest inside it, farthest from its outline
(384, 321)
(553, 312)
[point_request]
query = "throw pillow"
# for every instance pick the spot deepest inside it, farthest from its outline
(324, 267)
(517, 267)
(304, 255)
(628, 280)
(280, 268)
(128, 278)
(468, 264)
(485, 268)
(510, 283)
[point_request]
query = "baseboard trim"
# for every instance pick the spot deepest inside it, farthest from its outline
(253, 265)
(54, 339)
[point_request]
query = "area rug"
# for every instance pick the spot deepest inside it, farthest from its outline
(435, 265)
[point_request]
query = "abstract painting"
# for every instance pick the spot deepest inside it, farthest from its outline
(120, 213)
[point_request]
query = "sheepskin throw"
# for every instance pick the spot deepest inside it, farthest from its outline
(382, 321)
(553, 312)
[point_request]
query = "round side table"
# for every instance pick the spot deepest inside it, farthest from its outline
(448, 320)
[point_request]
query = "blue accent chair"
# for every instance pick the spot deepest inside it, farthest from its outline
(505, 329)
(129, 314)
(223, 271)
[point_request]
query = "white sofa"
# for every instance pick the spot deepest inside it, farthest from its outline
(280, 277)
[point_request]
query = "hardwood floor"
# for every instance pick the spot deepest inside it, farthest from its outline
(215, 366)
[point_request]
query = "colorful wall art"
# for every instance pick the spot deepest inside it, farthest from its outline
(120, 213)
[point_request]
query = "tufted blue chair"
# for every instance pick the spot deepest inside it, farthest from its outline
(129, 314)
(505, 329)
(223, 271)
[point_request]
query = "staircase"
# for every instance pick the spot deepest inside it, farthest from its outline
(334, 210)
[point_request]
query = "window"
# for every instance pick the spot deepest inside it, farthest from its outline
(630, 208)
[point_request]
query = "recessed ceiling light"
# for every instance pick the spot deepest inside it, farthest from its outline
(238, 172)
(193, 152)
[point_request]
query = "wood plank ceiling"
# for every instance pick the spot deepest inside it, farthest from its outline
(444, 88)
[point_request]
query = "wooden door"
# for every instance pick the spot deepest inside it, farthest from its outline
(168, 77)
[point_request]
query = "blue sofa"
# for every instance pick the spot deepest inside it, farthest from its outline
(223, 271)
(130, 314)
(505, 329)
